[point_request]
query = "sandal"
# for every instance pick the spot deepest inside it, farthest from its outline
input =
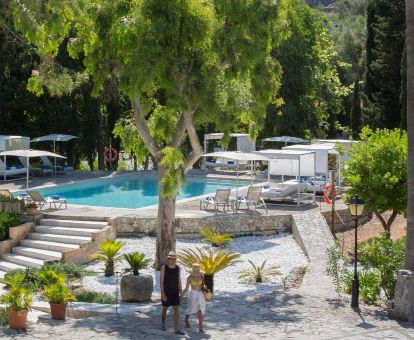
(180, 332)
(201, 331)
(187, 325)
(163, 328)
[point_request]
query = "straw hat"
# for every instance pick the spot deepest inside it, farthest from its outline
(172, 255)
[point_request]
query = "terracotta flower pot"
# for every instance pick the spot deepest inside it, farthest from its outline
(17, 320)
(58, 311)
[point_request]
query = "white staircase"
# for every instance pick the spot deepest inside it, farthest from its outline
(50, 240)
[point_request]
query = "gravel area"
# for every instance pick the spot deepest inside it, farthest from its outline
(278, 250)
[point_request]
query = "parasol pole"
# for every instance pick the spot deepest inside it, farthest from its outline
(27, 172)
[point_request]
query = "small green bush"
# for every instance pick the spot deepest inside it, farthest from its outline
(369, 286)
(94, 297)
(72, 271)
(336, 267)
(31, 280)
(215, 238)
(385, 256)
(136, 261)
(4, 318)
(7, 220)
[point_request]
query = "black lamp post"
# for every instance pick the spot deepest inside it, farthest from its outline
(356, 207)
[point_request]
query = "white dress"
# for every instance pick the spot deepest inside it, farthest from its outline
(196, 302)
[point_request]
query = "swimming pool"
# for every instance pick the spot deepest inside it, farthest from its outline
(132, 192)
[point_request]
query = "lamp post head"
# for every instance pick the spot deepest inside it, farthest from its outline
(356, 206)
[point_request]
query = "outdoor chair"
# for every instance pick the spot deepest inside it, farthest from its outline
(6, 193)
(54, 200)
(222, 198)
(252, 199)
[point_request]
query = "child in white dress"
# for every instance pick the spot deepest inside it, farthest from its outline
(196, 300)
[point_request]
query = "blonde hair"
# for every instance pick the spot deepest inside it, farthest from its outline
(195, 267)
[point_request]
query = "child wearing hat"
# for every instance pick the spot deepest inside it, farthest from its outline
(196, 300)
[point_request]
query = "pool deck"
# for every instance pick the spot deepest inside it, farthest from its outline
(185, 208)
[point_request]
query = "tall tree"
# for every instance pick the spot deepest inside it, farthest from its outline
(311, 90)
(356, 111)
(206, 56)
(385, 44)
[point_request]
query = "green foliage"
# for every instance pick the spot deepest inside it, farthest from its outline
(311, 91)
(210, 262)
(94, 297)
(136, 261)
(385, 45)
(58, 293)
(17, 298)
(258, 273)
(215, 238)
(369, 286)
(4, 317)
(108, 253)
(72, 271)
(49, 277)
(7, 220)
(386, 257)
(377, 171)
(336, 268)
(30, 282)
(173, 160)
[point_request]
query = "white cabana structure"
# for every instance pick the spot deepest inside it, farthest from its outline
(14, 143)
(322, 152)
(344, 144)
(238, 156)
(294, 163)
(286, 140)
(27, 154)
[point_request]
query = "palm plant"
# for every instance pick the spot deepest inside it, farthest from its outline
(258, 273)
(215, 238)
(210, 262)
(17, 298)
(136, 261)
(58, 293)
(108, 253)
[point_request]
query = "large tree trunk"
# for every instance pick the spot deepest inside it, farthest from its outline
(387, 224)
(409, 253)
(165, 224)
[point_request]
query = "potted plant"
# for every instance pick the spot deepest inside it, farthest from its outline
(18, 300)
(108, 253)
(136, 287)
(56, 292)
(210, 262)
(58, 295)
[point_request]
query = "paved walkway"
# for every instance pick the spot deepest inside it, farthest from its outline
(310, 312)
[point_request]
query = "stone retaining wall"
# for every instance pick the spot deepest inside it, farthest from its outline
(347, 218)
(189, 227)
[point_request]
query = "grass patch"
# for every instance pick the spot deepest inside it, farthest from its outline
(94, 297)
(71, 270)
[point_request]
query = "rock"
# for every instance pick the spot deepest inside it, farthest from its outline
(136, 288)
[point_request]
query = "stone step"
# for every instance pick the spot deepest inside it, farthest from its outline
(40, 254)
(72, 223)
(23, 260)
(63, 217)
(47, 229)
(48, 245)
(2, 273)
(5, 266)
(60, 238)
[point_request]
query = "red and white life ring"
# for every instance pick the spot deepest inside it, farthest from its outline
(110, 154)
(327, 191)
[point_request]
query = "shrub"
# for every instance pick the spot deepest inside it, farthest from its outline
(94, 297)
(336, 268)
(72, 271)
(369, 286)
(258, 273)
(4, 318)
(30, 281)
(7, 220)
(215, 238)
(108, 253)
(136, 261)
(387, 257)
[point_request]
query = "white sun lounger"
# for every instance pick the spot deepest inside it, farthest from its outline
(291, 190)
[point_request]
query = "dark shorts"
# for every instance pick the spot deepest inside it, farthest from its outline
(172, 300)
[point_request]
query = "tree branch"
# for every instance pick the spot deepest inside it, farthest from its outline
(179, 132)
(143, 129)
(194, 141)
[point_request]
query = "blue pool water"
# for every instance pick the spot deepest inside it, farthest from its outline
(131, 192)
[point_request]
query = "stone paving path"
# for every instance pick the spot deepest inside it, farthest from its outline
(310, 312)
